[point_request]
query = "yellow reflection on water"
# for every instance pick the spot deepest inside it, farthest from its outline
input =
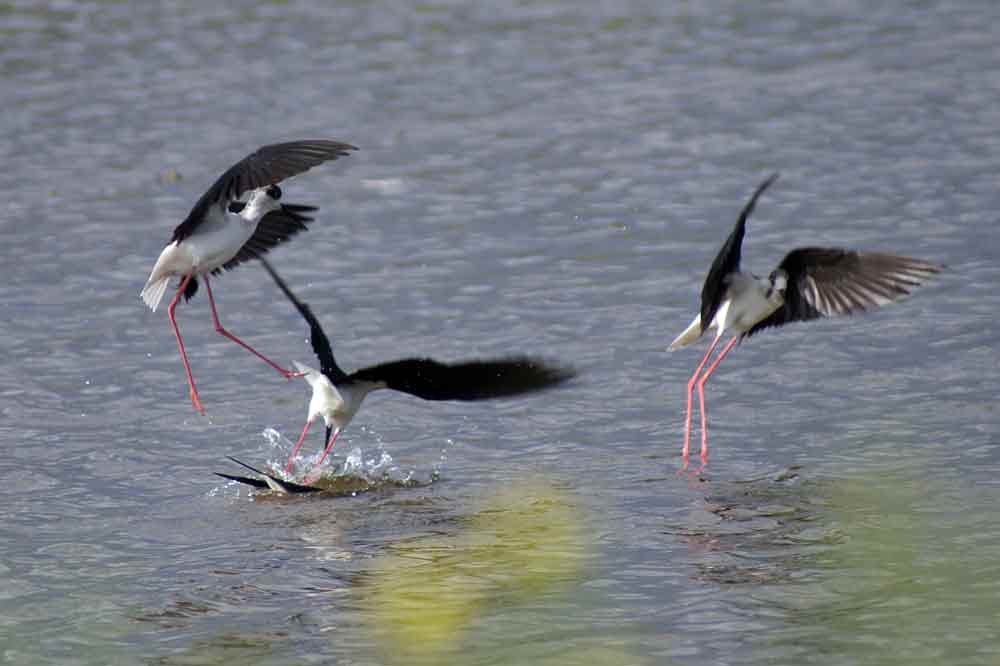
(913, 575)
(445, 596)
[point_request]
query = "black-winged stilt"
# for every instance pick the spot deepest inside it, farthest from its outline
(269, 481)
(239, 218)
(336, 395)
(810, 282)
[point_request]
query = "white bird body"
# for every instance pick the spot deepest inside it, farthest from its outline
(749, 300)
(336, 404)
(213, 243)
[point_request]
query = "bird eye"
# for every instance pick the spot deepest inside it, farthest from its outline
(274, 192)
(236, 206)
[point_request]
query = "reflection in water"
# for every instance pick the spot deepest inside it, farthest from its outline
(886, 567)
(755, 531)
(510, 571)
(229, 648)
(912, 577)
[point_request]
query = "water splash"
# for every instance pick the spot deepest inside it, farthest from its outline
(354, 471)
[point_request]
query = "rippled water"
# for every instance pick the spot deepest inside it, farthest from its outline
(550, 178)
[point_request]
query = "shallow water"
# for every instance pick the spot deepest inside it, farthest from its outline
(549, 178)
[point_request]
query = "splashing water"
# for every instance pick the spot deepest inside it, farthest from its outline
(376, 469)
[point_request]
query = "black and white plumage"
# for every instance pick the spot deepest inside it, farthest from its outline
(809, 283)
(269, 481)
(337, 396)
(239, 218)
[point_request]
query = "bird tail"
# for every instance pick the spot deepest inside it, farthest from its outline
(153, 292)
(164, 269)
(690, 334)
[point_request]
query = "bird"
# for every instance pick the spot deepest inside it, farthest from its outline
(337, 396)
(269, 481)
(809, 283)
(239, 218)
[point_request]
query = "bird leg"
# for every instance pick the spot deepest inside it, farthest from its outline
(195, 400)
(701, 397)
(329, 446)
(690, 400)
(219, 328)
(298, 445)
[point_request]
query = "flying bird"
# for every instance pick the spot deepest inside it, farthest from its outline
(239, 218)
(809, 283)
(336, 395)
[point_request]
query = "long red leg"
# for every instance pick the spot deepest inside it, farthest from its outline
(323, 457)
(690, 395)
(701, 397)
(195, 400)
(218, 327)
(298, 445)
(328, 447)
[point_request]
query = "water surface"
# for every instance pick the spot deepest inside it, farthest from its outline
(550, 178)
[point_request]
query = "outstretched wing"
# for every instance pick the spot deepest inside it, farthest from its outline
(469, 380)
(317, 337)
(824, 282)
(274, 229)
(269, 480)
(266, 166)
(728, 259)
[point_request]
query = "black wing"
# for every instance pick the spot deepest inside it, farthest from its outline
(266, 166)
(728, 260)
(272, 482)
(274, 229)
(824, 282)
(256, 483)
(320, 343)
(470, 380)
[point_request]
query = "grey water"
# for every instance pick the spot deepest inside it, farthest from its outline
(549, 177)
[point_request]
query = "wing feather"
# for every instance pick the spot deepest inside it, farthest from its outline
(275, 228)
(826, 282)
(727, 261)
(469, 380)
(265, 166)
(317, 337)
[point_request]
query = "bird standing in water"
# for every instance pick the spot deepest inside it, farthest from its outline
(809, 283)
(239, 218)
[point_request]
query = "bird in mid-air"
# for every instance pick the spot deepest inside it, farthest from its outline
(239, 218)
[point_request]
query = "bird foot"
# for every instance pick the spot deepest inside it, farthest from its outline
(685, 469)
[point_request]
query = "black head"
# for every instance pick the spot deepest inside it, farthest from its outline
(274, 192)
(779, 283)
